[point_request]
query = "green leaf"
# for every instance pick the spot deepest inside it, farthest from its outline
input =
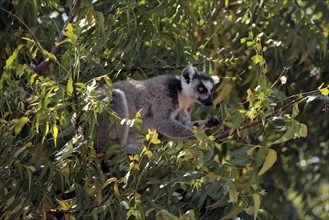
(256, 198)
(236, 209)
(69, 31)
(290, 133)
(49, 55)
(100, 22)
(226, 3)
(55, 132)
(108, 85)
(165, 215)
(19, 124)
(257, 59)
(69, 87)
(10, 60)
(295, 110)
(243, 40)
(269, 161)
(240, 161)
(250, 43)
(324, 91)
(233, 195)
(303, 130)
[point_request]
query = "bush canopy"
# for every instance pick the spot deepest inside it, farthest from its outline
(268, 159)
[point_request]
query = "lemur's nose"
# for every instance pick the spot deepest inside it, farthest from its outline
(207, 102)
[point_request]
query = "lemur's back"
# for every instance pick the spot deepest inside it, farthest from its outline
(141, 94)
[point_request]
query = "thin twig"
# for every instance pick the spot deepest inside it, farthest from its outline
(212, 17)
(284, 72)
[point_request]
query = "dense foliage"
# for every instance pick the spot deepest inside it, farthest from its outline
(267, 159)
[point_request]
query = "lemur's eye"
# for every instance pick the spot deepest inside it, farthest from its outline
(201, 88)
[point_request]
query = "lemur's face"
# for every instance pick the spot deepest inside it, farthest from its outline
(198, 86)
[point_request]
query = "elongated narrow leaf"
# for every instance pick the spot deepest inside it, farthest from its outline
(55, 132)
(269, 161)
(256, 198)
(295, 110)
(69, 86)
(63, 205)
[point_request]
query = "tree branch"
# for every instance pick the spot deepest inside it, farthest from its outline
(226, 134)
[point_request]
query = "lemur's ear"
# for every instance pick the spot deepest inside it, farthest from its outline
(216, 79)
(187, 74)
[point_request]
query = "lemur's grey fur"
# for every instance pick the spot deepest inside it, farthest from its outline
(166, 103)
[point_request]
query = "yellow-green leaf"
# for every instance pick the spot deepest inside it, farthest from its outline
(55, 132)
(69, 31)
(28, 39)
(226, 3)
(13, 56)
(63, 205)
(257, 59)
(49, 55)
(269, 161)
(165, 215)
(256, 198)
(19, 124)
(109, 181)
(303, 130)
(324, 91)
(295, 110)
(69, 86)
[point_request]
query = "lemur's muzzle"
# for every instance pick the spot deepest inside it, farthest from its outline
(207, 102)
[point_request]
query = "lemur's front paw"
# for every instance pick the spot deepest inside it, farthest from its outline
(212, 122)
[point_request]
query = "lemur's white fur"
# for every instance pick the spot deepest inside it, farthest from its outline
(166, 103)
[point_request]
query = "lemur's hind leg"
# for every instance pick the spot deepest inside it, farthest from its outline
(105, 133)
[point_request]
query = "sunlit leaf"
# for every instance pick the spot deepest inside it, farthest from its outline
(324, 91)
(295, 110)
(19, 124)
(256, 199)
(269, 161)
(55, 132)
(63, 205)
(69, 86)
(257, 59)
(303, 130)
(69, 31)
(109, 181)
(10, 60)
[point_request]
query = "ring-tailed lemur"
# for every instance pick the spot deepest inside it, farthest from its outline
(166, 103)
